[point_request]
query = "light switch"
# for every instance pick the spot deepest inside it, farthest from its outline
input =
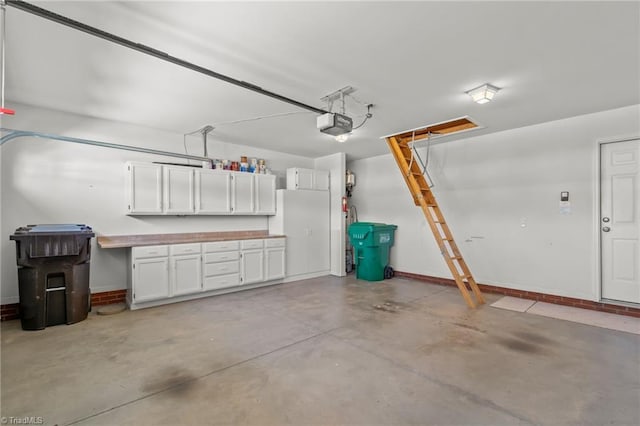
(564, 196)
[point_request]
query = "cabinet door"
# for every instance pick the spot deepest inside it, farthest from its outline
(265, 189)
(318, 233)
(213, 192)
(150, 279)
(242, 193)
(274, 263)
(304, 179)
(251, 266)
(186, 274)
(321, 180)
(178, 190)
(144, 188)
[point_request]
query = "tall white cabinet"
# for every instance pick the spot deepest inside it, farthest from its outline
(303, 216)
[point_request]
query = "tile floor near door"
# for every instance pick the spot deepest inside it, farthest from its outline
(322, 351)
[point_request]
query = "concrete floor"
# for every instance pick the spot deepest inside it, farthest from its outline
(319, 352)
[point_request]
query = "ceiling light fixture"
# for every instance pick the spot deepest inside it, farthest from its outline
(343, 137)
(483, 94)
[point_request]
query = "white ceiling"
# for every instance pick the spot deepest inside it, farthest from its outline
(413, 60)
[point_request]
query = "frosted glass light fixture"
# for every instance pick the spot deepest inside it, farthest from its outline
(343, 137)
(483, 94)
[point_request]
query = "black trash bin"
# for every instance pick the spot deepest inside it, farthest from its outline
(53, 274)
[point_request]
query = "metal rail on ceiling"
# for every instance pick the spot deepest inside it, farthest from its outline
(13, 134)
(43, 13)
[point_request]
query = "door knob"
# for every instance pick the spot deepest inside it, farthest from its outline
(605, 219)
(606, 229)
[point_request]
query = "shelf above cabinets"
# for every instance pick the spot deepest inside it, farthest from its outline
(156, 189)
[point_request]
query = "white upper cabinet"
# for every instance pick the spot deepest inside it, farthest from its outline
(181, 190)
(298, 178)
(321, 180)
(144, 188)
(213, 192)
(265, 190)
(242, 190)
(178, 190)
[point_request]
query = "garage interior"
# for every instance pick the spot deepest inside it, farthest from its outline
(509, 131)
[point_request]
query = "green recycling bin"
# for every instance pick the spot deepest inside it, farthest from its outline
(371, 243)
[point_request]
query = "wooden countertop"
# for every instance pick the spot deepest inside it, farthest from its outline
(120, 241)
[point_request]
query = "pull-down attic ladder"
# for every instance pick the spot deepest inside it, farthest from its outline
(406, 156)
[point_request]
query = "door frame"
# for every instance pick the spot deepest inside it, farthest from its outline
(597, 213)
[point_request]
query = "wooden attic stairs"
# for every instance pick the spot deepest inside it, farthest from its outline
(413, 171)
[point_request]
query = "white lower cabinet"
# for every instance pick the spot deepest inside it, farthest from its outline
(167, 273)
(220, 265)
(149, 273)
(185, 266)
(251, 261)
(274, 258)
(150, 279)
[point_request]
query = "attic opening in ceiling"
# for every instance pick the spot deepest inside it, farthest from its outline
(432, 131)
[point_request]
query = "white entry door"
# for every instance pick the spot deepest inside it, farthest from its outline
(620, 220)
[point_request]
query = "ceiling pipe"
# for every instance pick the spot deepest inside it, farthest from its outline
(205, 130)
(43, 13)
(13, 134)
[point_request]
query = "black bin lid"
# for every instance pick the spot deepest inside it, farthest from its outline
(36, 241)
(53, 229)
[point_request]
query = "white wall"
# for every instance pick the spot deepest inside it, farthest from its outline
(47, 181)
(488, 187)
(336, 164)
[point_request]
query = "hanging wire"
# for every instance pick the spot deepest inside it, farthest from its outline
(243, 120)
(426, 163)
(367, 116)
(413, 140)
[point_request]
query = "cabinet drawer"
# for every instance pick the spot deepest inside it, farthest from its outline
(221, 268)
(251, 244)
(224, 256)
(193, 248)
(220, 246)
(149, 251)
(274, 242)
(221, 281)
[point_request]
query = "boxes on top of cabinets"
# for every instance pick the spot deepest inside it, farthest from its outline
(298, 178)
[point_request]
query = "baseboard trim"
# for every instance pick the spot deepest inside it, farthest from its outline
(532, 295)
(11, 311)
